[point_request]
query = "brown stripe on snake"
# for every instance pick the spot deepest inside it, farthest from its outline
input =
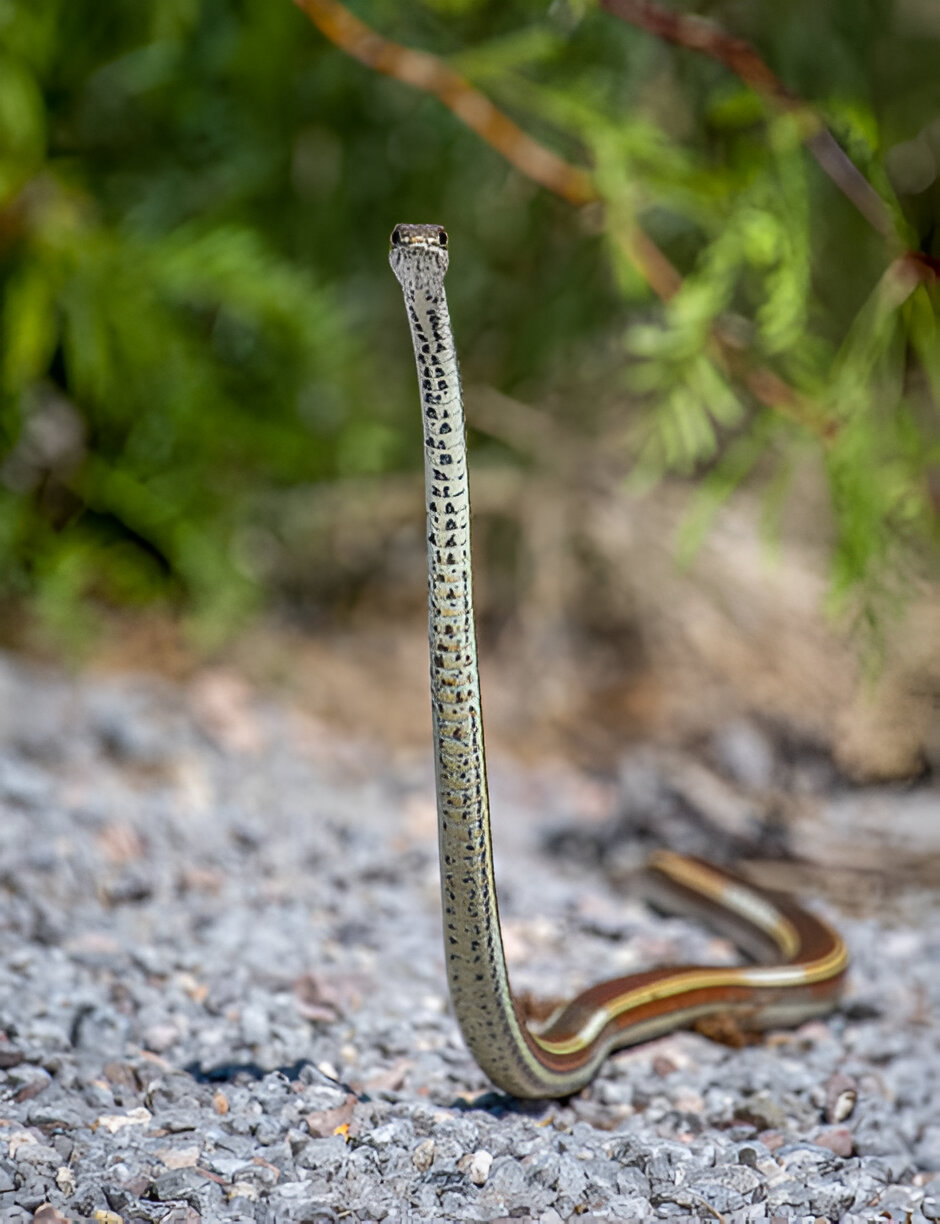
(809, 959)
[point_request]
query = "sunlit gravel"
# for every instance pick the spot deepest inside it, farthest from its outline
(221, 997)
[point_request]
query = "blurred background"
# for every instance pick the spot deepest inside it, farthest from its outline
(724, 501)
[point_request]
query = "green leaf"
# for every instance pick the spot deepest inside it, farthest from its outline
(29, 327)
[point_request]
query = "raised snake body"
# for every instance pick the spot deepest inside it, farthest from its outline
(810, 958)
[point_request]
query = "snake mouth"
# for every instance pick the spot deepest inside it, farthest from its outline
(428, 236)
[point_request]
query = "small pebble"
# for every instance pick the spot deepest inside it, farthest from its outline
(841, 1096)
(160, 1037)
(423, 1156)
(65, 1180)
(744, 754)
(477, 1167)
(837, 1139)
(931, 1202)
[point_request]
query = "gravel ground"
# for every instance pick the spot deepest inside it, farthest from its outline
(221, 997)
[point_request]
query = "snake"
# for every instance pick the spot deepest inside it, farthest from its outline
(801, 961)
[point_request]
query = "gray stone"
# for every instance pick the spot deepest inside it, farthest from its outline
(54, 1113)
(22, 784)
(508, 1187)
(927, 1148)
(39, 1156)
(899, 1200)
(269, 1130)
(633, 1182)
(931, 1203)
(179, 1184)
(789, 1193)
(831, 1199)
(744, 754)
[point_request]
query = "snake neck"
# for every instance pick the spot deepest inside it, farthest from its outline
(459, 755)
(473, 950)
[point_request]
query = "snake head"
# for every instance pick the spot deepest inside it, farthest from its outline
(418, 255)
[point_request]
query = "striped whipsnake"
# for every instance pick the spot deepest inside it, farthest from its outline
(807, 959)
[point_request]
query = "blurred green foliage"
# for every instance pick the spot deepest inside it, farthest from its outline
(196, 312)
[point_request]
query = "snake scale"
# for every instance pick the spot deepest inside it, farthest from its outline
(807, 959)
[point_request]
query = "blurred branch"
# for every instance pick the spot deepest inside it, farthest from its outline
(643, 253)
(429, 73)
(771, 391)
(699, 34)
(471, 107)
(534, 160)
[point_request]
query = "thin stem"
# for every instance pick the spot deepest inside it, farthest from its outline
(706, 38)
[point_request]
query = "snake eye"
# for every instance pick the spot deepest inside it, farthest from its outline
(396, 236)
(442, 237)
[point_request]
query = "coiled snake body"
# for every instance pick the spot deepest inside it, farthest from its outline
(809, 958)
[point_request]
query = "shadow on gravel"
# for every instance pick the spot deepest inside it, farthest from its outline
(496, 1104)
(499, 1105)
(227, 1073)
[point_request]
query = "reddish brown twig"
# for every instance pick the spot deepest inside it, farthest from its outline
(534, 160)
(699, 34)
(703, 36)
(473, 108)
